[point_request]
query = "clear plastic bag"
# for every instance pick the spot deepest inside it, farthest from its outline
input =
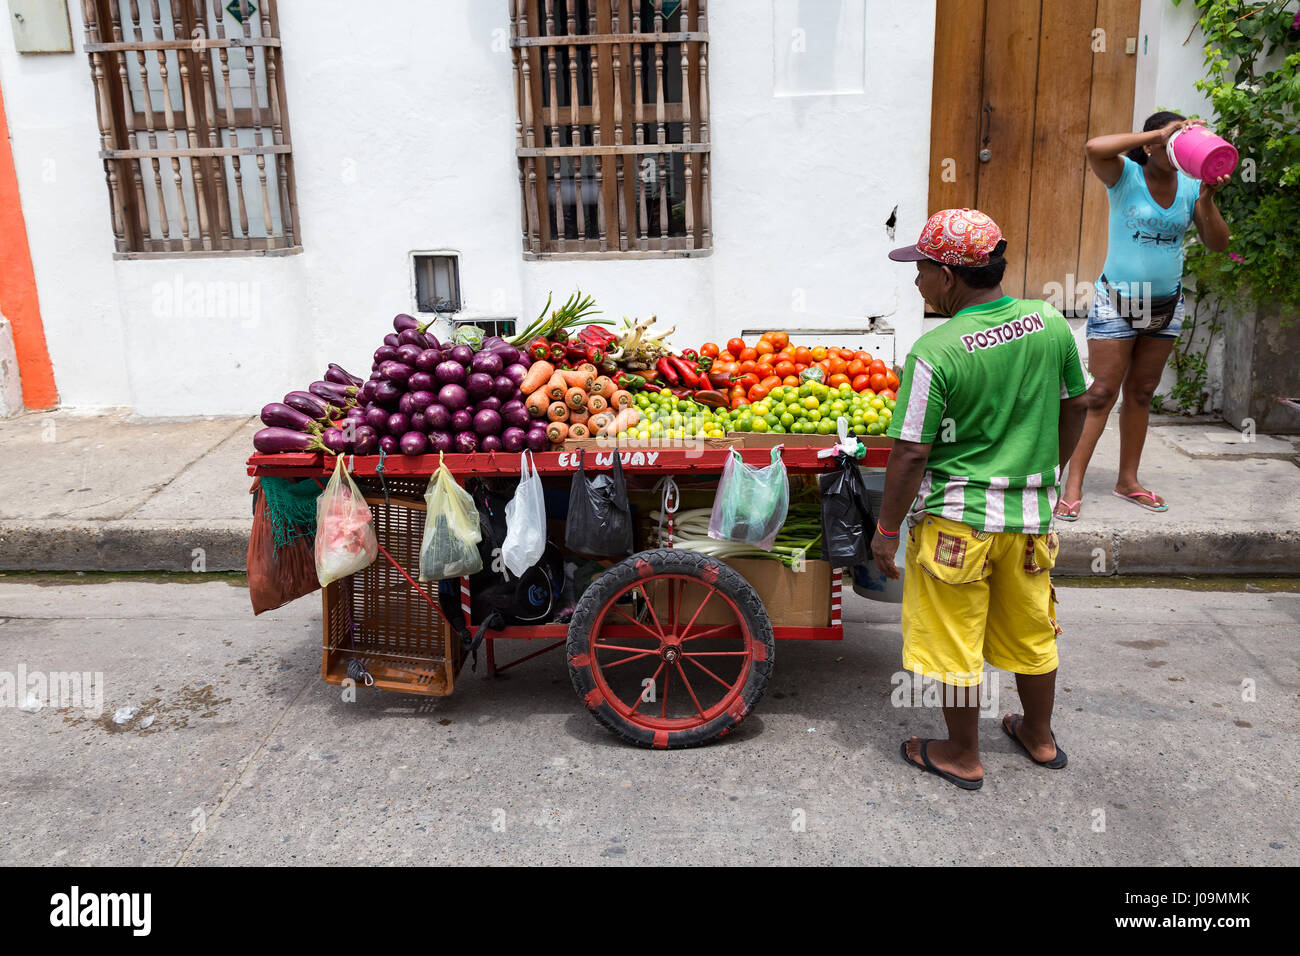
(449, 548)
(525, 520)
(345, 537)
(751, 503)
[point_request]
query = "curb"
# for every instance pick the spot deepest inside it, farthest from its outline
(141, 545)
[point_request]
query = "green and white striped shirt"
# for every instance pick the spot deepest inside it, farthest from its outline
(984, 389)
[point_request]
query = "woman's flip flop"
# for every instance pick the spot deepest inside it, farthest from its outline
(1056, 763)
(1142, 494)
(1071, 510)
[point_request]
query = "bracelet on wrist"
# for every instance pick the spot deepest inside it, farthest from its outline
(885, 534)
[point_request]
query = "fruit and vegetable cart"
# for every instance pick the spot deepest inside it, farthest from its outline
(668, 647)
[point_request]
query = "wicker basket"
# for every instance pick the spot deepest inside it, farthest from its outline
(379, 618)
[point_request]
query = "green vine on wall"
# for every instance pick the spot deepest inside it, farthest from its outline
(1252, 61)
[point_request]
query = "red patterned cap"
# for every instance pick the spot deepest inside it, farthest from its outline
(954, 237)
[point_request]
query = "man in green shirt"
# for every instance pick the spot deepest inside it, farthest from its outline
(989, 410)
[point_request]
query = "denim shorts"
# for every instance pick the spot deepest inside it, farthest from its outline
(1105, 322)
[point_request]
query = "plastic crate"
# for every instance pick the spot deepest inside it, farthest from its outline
(378, 616)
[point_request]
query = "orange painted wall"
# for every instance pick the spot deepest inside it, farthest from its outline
(18, 300)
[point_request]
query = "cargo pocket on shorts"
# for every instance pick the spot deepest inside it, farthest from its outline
(1041, 551)
(952, 552)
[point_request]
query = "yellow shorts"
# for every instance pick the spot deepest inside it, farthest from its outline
(974, 596)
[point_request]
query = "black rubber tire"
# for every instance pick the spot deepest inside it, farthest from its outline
(643, 566)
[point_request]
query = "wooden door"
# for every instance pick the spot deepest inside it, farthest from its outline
(1029, 82)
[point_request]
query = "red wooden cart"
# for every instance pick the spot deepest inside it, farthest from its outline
(667, 648)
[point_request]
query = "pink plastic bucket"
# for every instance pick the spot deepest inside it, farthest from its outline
(1196, 151)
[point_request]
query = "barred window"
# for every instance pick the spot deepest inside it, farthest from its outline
(613, 127)
(193, 130)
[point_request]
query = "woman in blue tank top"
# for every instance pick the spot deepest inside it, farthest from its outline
(1137, 306)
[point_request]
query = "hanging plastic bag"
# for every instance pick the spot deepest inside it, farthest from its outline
(345, 537)
(751, 503)
(600, 518)
(525, 520)
(277, 575)
(449, 548)
(847, 522)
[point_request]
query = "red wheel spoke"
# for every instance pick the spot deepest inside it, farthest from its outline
(707, 595)
(640, 694)
(650, 607)
(634, 657)
(709, 672)
(640, 624)
(680, 589)
(663, 710)
(620, 647)
(716, 654)
(690, 690)
(709, 633)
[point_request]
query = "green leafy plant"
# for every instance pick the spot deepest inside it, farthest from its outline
(1252, 60)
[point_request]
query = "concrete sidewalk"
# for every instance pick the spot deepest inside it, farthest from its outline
(115, 493)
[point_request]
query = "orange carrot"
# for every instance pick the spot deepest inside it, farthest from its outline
(596, 404)
(598, 422)
(576, 379)
(556, 432)
(576, 397)
(621, 399)
(557, 412)
(537, 403)
(579, 416)
(555, 387)
(605, 386)
(578, 430)
(539, 373)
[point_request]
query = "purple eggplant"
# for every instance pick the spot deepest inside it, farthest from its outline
(398, 424)
(396, 372)
(279, 415)
(478, 385)
(515, 414)
(411, 337)
(385, 353)
(391, 340)
(406, 404)
(490, 443)
(487, 422)
(402, 322)
(441, 441)
(275, 440)
(467, 442)
(409, 353)
(462, 354)
(310, 405)
(453, 396)
(419, 423)
(462, 420)
(512, 439)
(536, 439)
(377, 418)
(357, 415)
(503, 388)
(413, 443)
(422, 382)
(388, 444)
(422, 400)
(492, 342)
(449, 373)
(388, 394)
(432, 340)
(438, 418)
(486, 362)
(508, 354)
(338, 395)
(367, 393)
(491, 402)
(365, 441)
(516, 373)
(341, 376)
(334, 441)
(428, 360)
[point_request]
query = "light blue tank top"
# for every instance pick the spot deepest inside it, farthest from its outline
(1146, 240)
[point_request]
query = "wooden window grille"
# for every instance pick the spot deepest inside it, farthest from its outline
(193, 130)
(612, 134)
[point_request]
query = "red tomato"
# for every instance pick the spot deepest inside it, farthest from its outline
(861, 383)
(746, 367)
(710, 349)
(747, 381)
(804, 355)
(771, 382)
(779, 339)
(837, 365)
(758, 393)
(784, 368)
(856, 368)
(892, 380)
(791, 380)
(838, 379)
(877, 366)
(879, 383)
(888, 394)
(765, 347)
(735, 346)
(866, 358)
(748, 355)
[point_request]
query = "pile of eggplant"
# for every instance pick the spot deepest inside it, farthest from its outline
(422, 397)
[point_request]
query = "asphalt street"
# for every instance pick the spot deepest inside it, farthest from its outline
(1178, 709)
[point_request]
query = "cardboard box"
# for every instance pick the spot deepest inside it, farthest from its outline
(768, 440)
(793, 598)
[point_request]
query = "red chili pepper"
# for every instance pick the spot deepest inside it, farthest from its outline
(652, 387)
(704, 363)
(557, 352)
(684, 372)
(667, 370)
(690, 355)
(560, 335)
(539, 349)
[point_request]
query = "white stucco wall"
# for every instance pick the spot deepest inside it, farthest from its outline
(402, 124)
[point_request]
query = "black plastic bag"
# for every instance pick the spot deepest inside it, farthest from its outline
(847, 522)
(600, 518)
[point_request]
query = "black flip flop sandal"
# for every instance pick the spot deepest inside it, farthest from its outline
(953, 779)
(1056, 763)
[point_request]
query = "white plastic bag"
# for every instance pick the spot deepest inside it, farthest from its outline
(525, 520)
(345, 537)
(449, 548)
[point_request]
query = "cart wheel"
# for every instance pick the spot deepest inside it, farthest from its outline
(670, 648)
